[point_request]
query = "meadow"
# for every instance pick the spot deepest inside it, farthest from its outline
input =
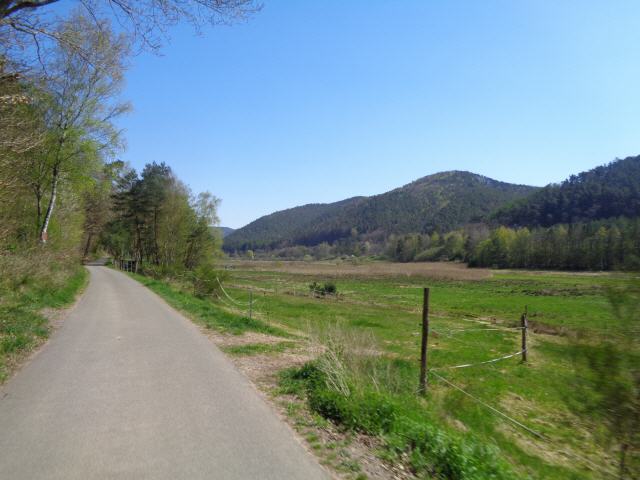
(474, 318)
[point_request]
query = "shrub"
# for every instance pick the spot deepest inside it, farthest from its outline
(349, 386)
(328, 288)
(207, 280)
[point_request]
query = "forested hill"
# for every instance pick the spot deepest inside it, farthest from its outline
(442, 202)
(607, 191)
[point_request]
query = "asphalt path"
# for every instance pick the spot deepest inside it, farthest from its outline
(128, 388)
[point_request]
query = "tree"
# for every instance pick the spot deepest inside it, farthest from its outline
(80, 103)
(27, 27)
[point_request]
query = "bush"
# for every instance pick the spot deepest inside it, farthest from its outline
(328, 288)
(207, 280)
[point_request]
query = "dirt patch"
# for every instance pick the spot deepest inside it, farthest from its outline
(435, 270)
(248, 338)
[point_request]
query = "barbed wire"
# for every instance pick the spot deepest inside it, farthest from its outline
(529, 430)
(232, 300)
(493, 360)
(493, 409)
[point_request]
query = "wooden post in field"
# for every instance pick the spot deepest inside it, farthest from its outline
(425, 339)
(524, 325)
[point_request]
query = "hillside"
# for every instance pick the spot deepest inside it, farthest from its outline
(607, 191)
(442, 202)
(226, 231)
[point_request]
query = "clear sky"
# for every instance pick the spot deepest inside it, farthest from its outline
(319, 101)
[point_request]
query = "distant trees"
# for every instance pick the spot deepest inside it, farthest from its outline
(602, 245)
(157, 221)
(605, 192)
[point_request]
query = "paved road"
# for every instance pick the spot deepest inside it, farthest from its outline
(130, 389)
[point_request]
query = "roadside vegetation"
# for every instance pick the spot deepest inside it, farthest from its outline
(28, 292)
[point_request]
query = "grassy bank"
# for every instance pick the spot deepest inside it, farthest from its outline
(28, 287)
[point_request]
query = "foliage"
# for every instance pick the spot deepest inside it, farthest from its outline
(207, 281)
(607, 191)
(600, 245)
(26, 287)
(27, 27)
(157, 222)
(328, 288)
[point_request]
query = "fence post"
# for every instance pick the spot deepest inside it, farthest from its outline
(425, 338)
(524, 325)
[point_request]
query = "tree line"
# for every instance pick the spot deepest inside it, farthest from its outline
(599, 245)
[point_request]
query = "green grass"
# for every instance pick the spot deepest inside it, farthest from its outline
(207, 313)
(22, 326)
(259, 348)
(537, 394)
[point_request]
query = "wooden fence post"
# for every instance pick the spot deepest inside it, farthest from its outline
(524, 325)
(425, 339)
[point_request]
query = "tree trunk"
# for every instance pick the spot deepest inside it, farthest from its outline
(52, 202)
(38, 192)
(88, 245)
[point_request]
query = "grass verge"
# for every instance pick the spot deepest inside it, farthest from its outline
(205, 312)
(22, 299)
(259, 348)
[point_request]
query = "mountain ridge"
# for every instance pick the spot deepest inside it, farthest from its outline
(440, 201)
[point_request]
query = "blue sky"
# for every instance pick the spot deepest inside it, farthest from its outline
(319, 101)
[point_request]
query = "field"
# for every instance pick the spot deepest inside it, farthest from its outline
(504, 419)
(472, 312)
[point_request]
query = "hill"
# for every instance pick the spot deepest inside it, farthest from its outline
(442, 202)
(607, 191)
(226, 231)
